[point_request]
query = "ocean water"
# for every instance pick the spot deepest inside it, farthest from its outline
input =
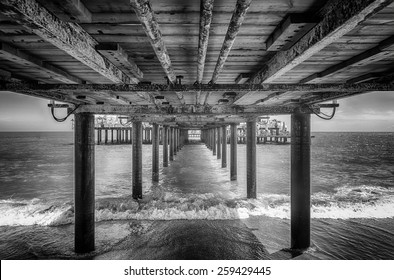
(195, 211)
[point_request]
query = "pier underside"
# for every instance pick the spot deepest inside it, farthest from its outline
(205, 65)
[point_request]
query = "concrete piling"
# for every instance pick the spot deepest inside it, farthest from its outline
(155, 153)
(300, 181)
(84, 156)
(233, 152)
(251, 159)
(137, 160)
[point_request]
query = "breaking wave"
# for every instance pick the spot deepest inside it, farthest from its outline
(346, 202)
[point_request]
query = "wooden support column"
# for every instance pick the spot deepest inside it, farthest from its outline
(224, 146)
(233, 152)
(155, 153)
(251, 158)
(214, 141)
(137, 160)
(218, 150)
(300, 180)
(171, 143)
(112, 135)
(165, 146)
(84, 153)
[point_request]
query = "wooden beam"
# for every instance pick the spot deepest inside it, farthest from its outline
(67, 36)
(148, 20)
(370, 56)
(206, 9)
(222, 112)
(55, 96)
(290, 31)
(328, 96)
(340, 17)
(270, 96)
(190, 17)
(235, 24)
(14, 55)
(163, 89)
(119, 57)
(242, 78)
(106, 97)
(69, 10)
(364, 78)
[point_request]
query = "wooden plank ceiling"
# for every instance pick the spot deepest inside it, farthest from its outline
(193, 47)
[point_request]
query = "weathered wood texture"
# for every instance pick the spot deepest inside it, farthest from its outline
(148, 20)
(154, 88)
(205, 25)
(346, 29)
(67, 36)
(9, 53)
(114, 53)
(290, 31)
(373, 55)
(233, 29)
(69, 10)
(340, 17)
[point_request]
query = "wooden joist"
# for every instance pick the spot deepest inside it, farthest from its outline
(119, 57)
(242, 78)
(148, 20)
(270, 96)
(379, 77)
(339, 18)
(206, 9)
(370, 56)
(364, 78)
(9, 53)
(55, 96)
(235, 24)
(290, 31)
(108, 98)
(67, 36)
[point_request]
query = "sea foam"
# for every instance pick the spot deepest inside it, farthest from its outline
(346, 202)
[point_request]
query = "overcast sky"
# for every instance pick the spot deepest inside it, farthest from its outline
(367, 112)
